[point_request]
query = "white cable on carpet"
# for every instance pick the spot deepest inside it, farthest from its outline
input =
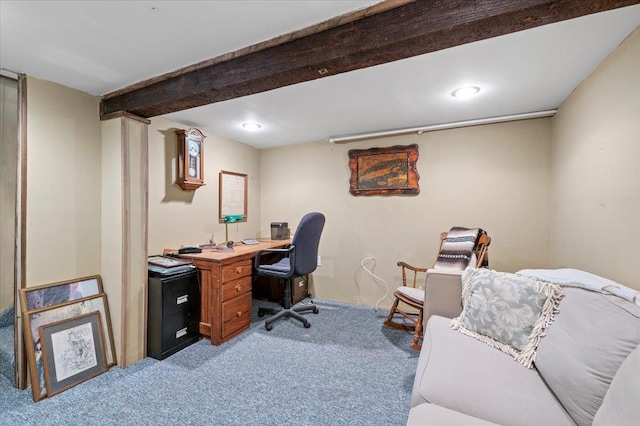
(386, 287)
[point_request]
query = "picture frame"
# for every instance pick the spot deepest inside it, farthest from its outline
(72, 351)
(33, 320)
(232, 194)
(384, 171)
(53, 294)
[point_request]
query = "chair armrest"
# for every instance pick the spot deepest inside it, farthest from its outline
(289, 253)
(442, 294)
(412, 268)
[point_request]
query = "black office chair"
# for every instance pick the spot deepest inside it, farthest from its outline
(301, 258)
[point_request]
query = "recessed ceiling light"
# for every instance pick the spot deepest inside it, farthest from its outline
(465, 92)
(251, 126)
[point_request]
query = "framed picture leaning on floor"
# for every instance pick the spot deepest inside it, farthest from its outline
(33, 320)
(53, 294)
(72, 351)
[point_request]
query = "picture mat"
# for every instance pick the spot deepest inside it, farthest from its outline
(64, 365)
(35, 319)
(232, 194)
(47, 295)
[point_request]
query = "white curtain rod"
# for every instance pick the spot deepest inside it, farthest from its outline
(420, 130)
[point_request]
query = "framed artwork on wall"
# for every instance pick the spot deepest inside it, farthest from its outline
(384, 171)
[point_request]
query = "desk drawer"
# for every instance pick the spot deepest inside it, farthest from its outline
(236, 314)
(235, 288)
(236, 270)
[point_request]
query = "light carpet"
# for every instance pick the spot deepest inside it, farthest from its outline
(347, 369)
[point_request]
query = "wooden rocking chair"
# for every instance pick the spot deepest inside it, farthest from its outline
(413, 296)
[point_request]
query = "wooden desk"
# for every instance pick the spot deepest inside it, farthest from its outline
(225, 293)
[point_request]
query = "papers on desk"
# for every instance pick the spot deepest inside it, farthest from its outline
(166, 262)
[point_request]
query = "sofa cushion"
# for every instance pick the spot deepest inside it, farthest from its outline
(461, 373)
(506, 311)
(590, 338)
(620, 405)
(434, 415)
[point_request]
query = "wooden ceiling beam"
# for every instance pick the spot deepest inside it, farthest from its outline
(378, 36)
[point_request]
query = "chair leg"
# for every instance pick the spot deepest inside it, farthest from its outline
(392, 312)
(417, 328)
(417, 333)
(306, 308)
(389, 322)
(268, 311)
(289, 310)
(282, 313)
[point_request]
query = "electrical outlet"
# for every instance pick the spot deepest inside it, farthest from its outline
(319, 260)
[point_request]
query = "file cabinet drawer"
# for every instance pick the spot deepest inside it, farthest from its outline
(178, 295)
(179, 328)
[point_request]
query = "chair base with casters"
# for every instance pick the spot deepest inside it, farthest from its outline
(287, 311)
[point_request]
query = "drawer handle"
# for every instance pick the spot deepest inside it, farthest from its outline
(237, 288)
(181, 333)
(182, 299)
(238, 271)
(239, 313)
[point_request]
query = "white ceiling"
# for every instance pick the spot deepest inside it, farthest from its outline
(101, 46)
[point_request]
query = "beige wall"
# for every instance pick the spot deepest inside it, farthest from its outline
(596, 171)
(63, 183)
(178, 217)
(493, 176)
(8, 185)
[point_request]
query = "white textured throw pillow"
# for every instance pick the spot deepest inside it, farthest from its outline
(506, 311)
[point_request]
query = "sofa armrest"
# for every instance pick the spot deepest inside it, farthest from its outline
(620, 404)
(442, 294)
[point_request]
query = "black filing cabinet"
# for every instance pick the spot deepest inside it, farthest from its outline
(174, 310)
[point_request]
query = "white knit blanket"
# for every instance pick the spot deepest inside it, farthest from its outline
(581, 279)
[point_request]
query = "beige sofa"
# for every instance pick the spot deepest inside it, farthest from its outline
(585, 372)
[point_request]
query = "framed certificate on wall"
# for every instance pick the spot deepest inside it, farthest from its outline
(232, 194)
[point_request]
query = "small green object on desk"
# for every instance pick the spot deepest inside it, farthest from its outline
(233, 218)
